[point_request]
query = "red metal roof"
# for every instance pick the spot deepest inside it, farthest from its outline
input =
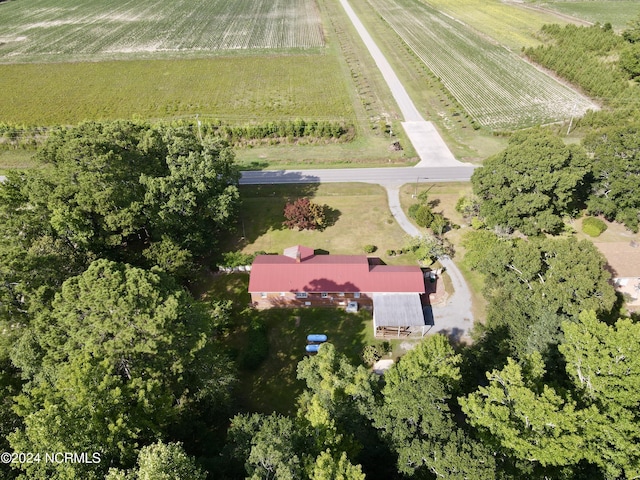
(331, 273)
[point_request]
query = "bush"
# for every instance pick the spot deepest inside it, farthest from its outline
(391, 253)
(371, 354)
(257, 348)
(369, 248)
(236, 259)
(593, 226)
(304, 215)
(424, 216)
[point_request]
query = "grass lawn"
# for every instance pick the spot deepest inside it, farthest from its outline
(360, 216)
(273, 386)
(16, 159)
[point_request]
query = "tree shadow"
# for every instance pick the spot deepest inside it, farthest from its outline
(331, 216)
(434, 203)
(264, 195)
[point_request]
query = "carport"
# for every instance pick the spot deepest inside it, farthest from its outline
(397, 314)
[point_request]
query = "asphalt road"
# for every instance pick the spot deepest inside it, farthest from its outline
(380, 176)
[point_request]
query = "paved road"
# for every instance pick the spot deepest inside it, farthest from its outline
(380, 176)
(426, 140)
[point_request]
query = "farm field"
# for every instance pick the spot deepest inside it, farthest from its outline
(52, 30)
(236, 88)
(496, 87)
(616, 12)
(507, 23)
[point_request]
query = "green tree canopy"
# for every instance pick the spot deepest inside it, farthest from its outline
(113, 364)
(535, 284)
(616, 173)
(116, 190)
(161, 461)
(532, 184)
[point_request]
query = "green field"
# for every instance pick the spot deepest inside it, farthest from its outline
(617, 12)
(509, 24)
(496, 87)
(234, 88)
(54, 30)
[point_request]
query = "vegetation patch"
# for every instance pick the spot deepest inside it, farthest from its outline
(593, 226)
(236, 90)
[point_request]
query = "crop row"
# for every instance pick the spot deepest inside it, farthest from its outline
(52, 29)
(496, 87)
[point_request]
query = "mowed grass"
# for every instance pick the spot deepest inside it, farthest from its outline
(274, 386)
(496, 87)
(63, 30)
(359, 215)
(237, 89)
(616, 12)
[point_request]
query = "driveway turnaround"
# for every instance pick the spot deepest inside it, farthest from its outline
(424, 137)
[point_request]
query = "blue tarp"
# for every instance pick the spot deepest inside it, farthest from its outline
(312, 348)
(316, 338)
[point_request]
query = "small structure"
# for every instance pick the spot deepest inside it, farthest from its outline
(396, 315)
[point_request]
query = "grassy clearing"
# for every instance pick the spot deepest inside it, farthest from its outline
(16, 159)
(496, 87)
(364, 151)
(234, 89)
(616, 12)
(507, 23)
(360, 216)
(64, 30)
(273, 386)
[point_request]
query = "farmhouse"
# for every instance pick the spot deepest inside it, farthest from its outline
(302, 278)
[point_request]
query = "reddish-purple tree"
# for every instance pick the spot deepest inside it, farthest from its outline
(304, 215)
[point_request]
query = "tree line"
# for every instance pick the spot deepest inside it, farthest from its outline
(14, 136)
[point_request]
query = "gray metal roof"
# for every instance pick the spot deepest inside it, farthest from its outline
(397, 310)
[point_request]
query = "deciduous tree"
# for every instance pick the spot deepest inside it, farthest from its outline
(532, 184)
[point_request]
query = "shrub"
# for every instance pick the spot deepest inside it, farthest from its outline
(304, 215)
(412, 210)
(257, 348)
(370, 354)
(424, 216)
(391, 253)
(369, 248)
(236, 259)
(593, 226)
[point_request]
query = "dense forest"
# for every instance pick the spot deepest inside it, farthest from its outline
(105, 351)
